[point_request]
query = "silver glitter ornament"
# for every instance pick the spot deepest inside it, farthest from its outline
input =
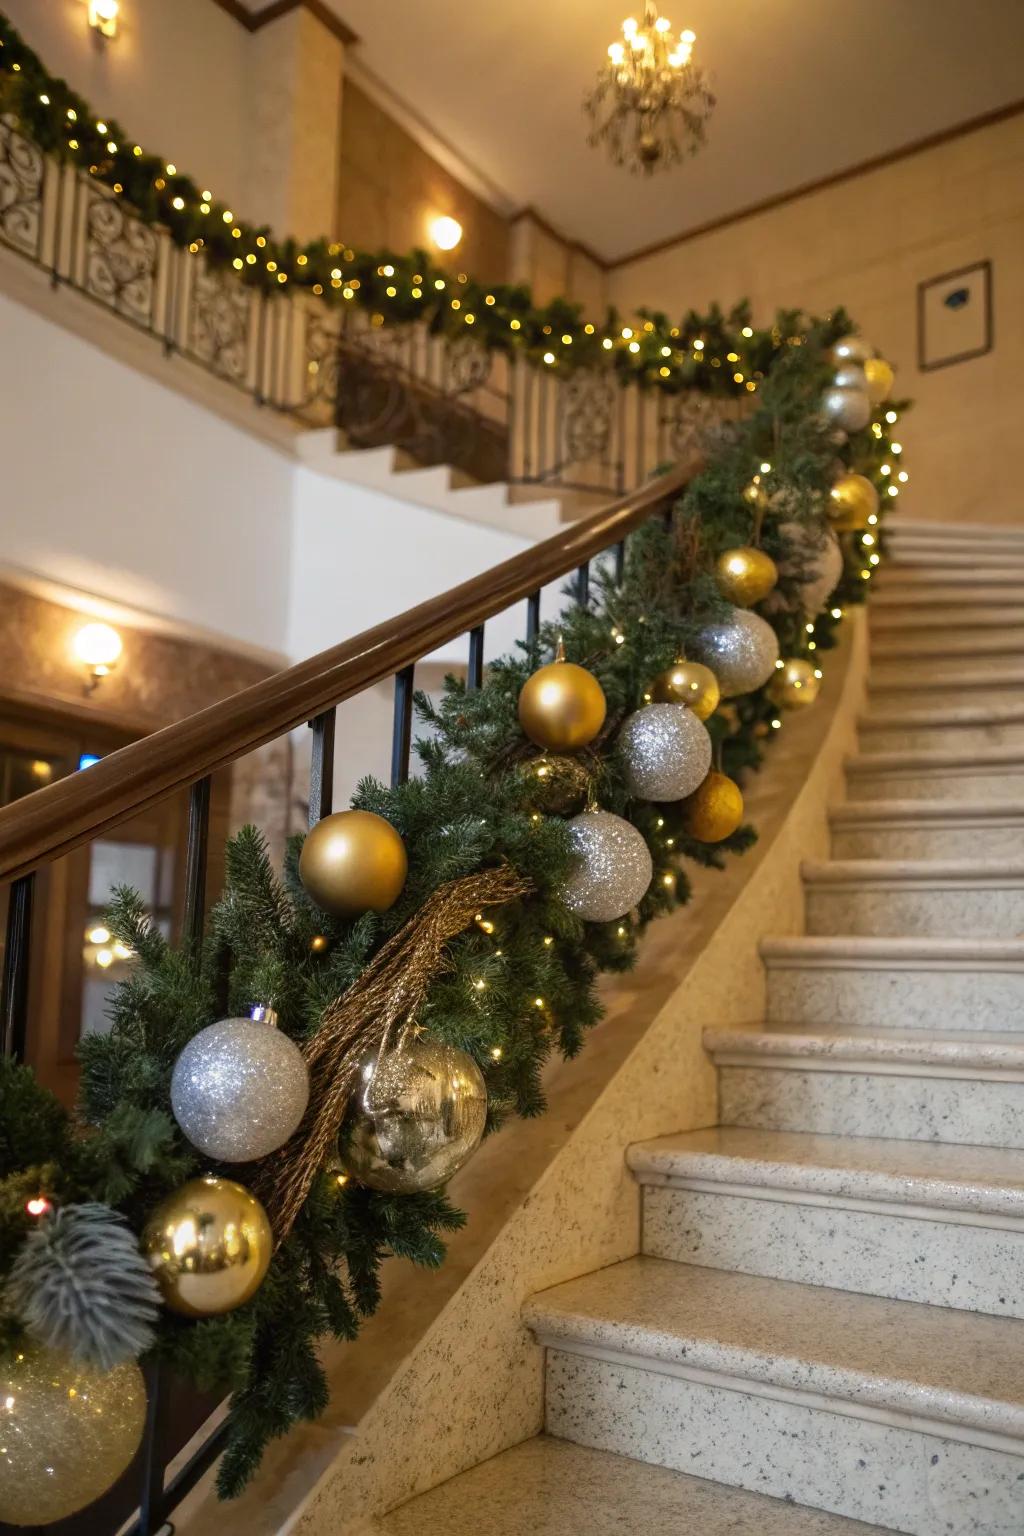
(417, 1114)
(612, 867)
(816, 555)
(851, 376)
(846, 408)
(741, 652)
(240, 1088)
(666, 752)
(851, 349)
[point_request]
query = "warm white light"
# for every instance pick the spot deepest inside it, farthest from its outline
(103, 16)
(446, 232)
(616, 52)
(98, 935)
(104, 957)
(662, 24)
(97, 646)
(628, 27)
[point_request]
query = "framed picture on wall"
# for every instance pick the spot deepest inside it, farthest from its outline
(954, 316)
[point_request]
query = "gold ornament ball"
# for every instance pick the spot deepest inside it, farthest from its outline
(556, 785)
(880, 379)
(353, 862)
(794, 685)
(562, 707)
(854, 500)
(715, 810)
(68, 1433)
(209, 1245)
(745, 575)
(688, 682)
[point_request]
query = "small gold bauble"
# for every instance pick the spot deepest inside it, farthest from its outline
(754, 493)
(745, 575)
(353, 862)
(688, 682)
(854, 500)
(209, 1245)
(562, 707)
(715, 810)
(880, 379)
(795, 684)
(69, 1432)
(556, 785)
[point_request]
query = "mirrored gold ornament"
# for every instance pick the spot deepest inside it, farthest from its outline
(745, 575)
(880, 379)
(562, 707)
(68, 1433)
(715, 810)
(353, 862)
(209, 1244)
(556, 785)
(688, 682)
(850, 349)
(853, 500)
(795, 684)
(416, 1115)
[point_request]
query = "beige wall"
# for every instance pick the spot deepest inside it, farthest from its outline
(866, 243)
(390, 189)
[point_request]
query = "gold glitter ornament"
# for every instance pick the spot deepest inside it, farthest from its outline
(745, 575)
(562, 707)
(68, 1433)
(794, 685)
(209, 1244)
(880, 379)
(715, 810)
(556, 785)
(853, 500)
(688, 682)
(353, 862)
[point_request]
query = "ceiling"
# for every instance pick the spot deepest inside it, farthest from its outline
(806, 88)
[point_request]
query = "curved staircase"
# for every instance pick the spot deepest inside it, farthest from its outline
(823, 1330)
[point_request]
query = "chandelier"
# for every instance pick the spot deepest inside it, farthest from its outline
(651, 103)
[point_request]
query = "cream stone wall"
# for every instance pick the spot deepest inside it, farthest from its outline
(866, 243)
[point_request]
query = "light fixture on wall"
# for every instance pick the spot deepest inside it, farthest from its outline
(98, 647)
(446, 232)
(651, 103)
(103, 16)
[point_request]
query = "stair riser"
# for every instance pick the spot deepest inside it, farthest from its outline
(923, 560)
(896, 998)
(905, 621)
(927, 842)
(883, 1473)
(890, 698)
(888, 602)
(912, 912)
(865, 1103)
(946, 646)
(954, 784)
(941, 738)
(906, 1258)
(956, 675)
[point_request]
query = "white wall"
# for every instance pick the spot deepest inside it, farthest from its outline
(120, 487)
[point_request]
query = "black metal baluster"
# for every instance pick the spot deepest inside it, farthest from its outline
(583, 584)
(533, 615)
(17, 956)
(620, 560)
(196, 857)
(401, 736)
(151, 1501)
(321, 766)
(475, 672)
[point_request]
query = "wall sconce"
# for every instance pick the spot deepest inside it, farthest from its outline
(103, 16)
(446, 232)
(97, 647)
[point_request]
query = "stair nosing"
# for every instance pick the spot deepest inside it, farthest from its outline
(943, 812)
(979, 759)
(876, 952)
(867, 874)
(975, 1055)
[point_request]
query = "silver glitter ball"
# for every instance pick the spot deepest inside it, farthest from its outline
(816, 556)
(239, 1089)
(416, 1116)
(612, 868)
(846, 408)
(851, 349)
(741, 652)
(851, 376)
(666, 752)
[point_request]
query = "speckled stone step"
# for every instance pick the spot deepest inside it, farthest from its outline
(979, 688)
(904, 1415)
(915, 898)
(945, 727)
(905, 620)
(941, 647)
(910, 1220)
(909, 597)
(956, 674)
(548, 1487)
(992, 773)
(976, 531)
(959, 1086)
(946, 984)
(932, 558)
(927, 829)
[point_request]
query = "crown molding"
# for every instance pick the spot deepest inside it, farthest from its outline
(252, 21)
(571, 245)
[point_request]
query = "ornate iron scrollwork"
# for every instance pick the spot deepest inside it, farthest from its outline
(120, 259)
(220, 322)
(587, 423)
(694, 423)
(22, 169)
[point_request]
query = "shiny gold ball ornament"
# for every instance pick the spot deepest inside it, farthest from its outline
(416, 1115)
(745, 575)
(688, 682)
(67, 1433)
(795, 684)
(850, 349)
(556, 785)
(353, 862)
(853, 500)
(880, 379)
(209, 1245)
(715, 810)
(562, 707)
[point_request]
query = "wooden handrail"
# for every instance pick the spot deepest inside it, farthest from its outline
(55, 820)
